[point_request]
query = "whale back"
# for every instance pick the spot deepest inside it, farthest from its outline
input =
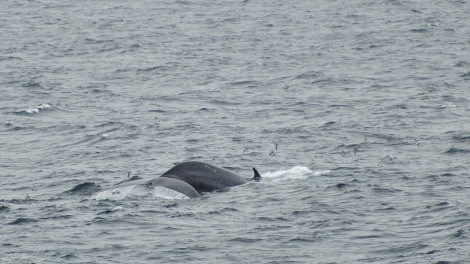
(204, 177)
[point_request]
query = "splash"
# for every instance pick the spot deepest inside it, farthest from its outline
(297, 172)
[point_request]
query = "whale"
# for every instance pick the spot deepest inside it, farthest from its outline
(191, 179)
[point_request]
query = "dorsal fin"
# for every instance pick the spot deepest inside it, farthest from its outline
(257, 176)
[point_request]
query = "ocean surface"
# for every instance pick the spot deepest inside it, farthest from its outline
(356, 113)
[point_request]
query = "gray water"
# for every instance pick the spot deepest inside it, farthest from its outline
(355, 112)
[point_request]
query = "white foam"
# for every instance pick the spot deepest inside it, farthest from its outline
(321, 173)
(38, 108)
(297, 172)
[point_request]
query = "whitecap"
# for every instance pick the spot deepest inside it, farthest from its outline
(38, 108)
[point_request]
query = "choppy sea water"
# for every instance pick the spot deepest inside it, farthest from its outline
(356, 113)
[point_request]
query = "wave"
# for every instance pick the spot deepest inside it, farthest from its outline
(86, 188)
(5, 58)
(22, 220)
(461, 137)
(32, 84)
(457, 151)
(4, 208)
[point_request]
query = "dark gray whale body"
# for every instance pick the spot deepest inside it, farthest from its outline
(193, 178)
(204, 177)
